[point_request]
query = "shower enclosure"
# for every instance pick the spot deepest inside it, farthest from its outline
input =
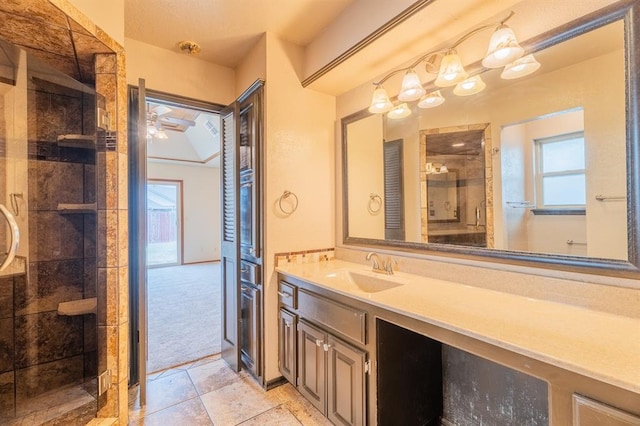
(49, 145)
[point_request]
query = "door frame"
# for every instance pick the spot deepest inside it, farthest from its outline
(179, 184)
(137, 224)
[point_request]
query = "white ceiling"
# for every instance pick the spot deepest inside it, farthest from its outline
(197, 145)
(227, 29)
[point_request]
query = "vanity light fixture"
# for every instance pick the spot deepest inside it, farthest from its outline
(436, 168)
(431, 100)
(520, 67)
(399, 111)
(503, 50)
(470, 86)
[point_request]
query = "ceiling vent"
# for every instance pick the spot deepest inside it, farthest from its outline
(211, 128)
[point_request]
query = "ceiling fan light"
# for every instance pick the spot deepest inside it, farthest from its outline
(503, 48)
(161, 134)
(451, 70)
(431, 100)
(411, 89)
(399, 111)
(470, 86)
(380, 102)
(520, 67)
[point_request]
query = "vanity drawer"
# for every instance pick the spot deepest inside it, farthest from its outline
(288, 294)
(343, 319)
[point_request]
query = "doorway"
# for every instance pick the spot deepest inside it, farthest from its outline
(174, 291)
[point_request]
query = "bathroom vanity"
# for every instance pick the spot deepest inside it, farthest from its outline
(369, 348)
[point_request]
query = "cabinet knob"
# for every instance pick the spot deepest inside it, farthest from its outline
(287, 324)
(283, 294)
(326, 346)
(319, 342)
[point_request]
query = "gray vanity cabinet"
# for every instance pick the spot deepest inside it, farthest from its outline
(287, 344)
(345, 383)
(312, 364)
(314, 354)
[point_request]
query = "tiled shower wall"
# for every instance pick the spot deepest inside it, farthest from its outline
(56, 30)
(41, 349)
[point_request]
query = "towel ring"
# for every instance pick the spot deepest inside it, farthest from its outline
(375, 203)
(286, 194)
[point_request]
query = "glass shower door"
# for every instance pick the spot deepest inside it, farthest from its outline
(48, 291)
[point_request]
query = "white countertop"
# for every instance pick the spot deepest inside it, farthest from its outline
(595, 344)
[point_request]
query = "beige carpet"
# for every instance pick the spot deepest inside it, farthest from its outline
(183, 314)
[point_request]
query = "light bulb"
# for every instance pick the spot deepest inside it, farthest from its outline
(399, 111)
(451, 70)
(431, 100)
(503, 48)
(411, 87)
(469, 87)
(380, 102)
(521, 67)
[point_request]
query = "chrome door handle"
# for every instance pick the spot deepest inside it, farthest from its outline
(15, 237)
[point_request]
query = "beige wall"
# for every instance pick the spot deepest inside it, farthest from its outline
(299, 152)
(178, 74)
(252, 67)
(107, 15)
(201, 207)
(365, 153)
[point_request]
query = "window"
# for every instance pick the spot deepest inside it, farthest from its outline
(560, 171)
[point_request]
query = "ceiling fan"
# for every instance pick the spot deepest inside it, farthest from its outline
(161, 118)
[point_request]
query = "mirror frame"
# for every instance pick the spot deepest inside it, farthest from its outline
(629, 12)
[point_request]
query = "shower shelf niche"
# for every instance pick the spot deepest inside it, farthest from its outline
(76, 208)
(77, 141)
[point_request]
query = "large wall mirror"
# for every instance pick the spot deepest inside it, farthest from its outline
(539, 169)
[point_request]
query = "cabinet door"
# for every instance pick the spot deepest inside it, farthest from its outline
(250, 320)
(250, 145)
(287, 345)
(587, 412)
(346, 383)
(312, 364)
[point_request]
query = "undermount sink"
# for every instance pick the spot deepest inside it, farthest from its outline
(366, 283)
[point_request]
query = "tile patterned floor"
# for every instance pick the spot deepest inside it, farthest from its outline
(208, 392)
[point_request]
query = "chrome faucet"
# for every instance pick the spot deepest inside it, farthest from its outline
(382, 267)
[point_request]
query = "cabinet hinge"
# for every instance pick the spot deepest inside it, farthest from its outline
(367, 367)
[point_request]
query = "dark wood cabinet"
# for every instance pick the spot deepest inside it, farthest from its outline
(327, 371)
(241, 247)
(345, 383)
(249, 139)
(287, 345)
(250, 328)
(312, 364)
